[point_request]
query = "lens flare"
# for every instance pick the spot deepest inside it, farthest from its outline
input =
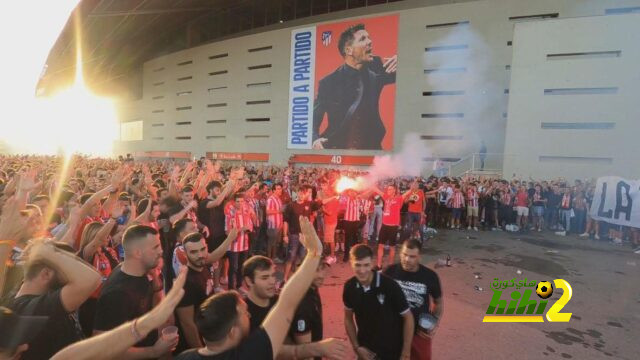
(74, 120)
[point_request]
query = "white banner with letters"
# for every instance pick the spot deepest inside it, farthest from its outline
(617, 201)
(301, 88)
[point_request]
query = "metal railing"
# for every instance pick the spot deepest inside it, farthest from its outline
(489, 164)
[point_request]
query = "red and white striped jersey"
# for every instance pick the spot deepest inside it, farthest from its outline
(457, 200)
(239, 218)
(566, 201)
(351, 208)
(472, 198)
(274, 221)
(367, 206)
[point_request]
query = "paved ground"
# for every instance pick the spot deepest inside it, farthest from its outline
(605, 303)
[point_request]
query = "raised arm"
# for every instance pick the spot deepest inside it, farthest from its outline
(177, 216)
(279, 318)
(228, 189)
(219, 252)
(80, 278)
(98, 240)
(72, 226)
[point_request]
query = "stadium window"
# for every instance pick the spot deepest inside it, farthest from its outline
(625, 10)
(443, 93)
(578, 125)
(534, 17)
(509, 43)
(183, 123)
(218, 56)
(260, 84)
(183, 108)
(218, 137)
(214, 73)
(258, 102)
(183, 137)
(185, 63)
(576, 159)
(157, 111)
(258, 119)
(446, 25)
(216, 105)
(585, 55)
(219, 121)
(441, 137)
(447, 48)
(261, 48)
(157, 125)
(445, 70)
(185, 78)
(443, 115)
(157, 97)
(183, 93)
(507, 67)
(157, 138)
(582, 91)
(258, 67)
(214, 89)
(131, 131)
(256, 136)
(443, 159)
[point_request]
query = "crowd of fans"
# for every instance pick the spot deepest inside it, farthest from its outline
(110, 250)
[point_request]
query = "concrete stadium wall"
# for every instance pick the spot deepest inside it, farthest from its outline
(196, 100)
(573, 108)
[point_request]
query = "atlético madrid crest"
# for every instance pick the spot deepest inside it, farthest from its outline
(326, 38)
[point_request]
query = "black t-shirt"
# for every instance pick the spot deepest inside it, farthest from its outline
(293, 212)
(530, 192)
(124, 298)
(61, 329)
(554, 199)
(205, 215)
(540, 202)
(197, 288)
(255, 347)
(213, 218)
(417, 287)
(308, 316)
(378, 311)
(258, 313)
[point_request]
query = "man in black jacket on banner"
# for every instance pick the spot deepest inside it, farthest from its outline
(350, 95)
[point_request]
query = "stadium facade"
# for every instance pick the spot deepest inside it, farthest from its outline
(549, 86)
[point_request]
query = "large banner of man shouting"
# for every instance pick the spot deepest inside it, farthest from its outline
(342, 85)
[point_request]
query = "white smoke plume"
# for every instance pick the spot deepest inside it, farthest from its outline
(483, 102)
(407, 162)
